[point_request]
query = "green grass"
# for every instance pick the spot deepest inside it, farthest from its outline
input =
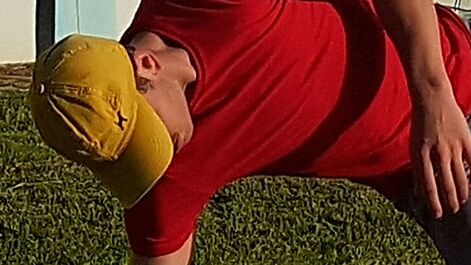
(55, 212)
(51, 210)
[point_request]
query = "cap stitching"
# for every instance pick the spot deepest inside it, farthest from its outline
(79, 137)
(88, 144)
(81, 90)
(66, 55)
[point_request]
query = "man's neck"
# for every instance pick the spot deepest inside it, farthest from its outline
(167, 96)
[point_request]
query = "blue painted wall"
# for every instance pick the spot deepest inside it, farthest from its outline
(95, 17)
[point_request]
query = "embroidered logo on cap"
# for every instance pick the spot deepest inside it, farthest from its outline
(121, 120)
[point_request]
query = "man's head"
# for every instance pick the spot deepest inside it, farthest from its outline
(156, 62)
(86, 106)
(162, 74)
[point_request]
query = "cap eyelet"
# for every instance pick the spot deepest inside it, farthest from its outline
(42, 89)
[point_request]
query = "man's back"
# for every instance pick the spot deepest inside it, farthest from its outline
(295, 87)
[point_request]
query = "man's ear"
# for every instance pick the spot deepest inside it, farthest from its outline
(147, 65)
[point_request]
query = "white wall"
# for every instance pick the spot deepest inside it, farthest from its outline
(17, 30)
(463, 3)
(17, 25)
(108, 18)
(124, 14)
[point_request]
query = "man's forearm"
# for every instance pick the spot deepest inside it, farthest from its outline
(412, 25)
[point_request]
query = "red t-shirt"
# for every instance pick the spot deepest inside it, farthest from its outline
(284, 87)
(294, 87)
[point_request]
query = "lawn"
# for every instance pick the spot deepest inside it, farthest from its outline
(53, 211)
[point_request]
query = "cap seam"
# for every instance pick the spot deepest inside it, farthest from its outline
(59, 86)
(65, 56)
(80, 137)
(82, 140)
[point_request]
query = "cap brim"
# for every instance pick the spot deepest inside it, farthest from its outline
(144, 160)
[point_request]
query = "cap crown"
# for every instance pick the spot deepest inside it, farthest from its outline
(83, 98)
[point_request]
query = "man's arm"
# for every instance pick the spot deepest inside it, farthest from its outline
(413, 27)
(440, 136)
(182, 256)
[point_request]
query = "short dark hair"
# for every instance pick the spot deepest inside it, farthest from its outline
(143, 84)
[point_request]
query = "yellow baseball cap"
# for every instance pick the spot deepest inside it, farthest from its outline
(86, 106)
